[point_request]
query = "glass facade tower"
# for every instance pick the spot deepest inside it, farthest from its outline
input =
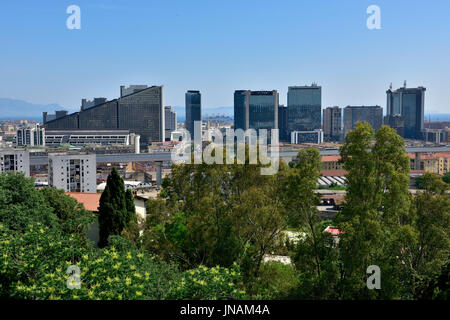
(304, 107)
(408, 104)
(255, 109)
(193, 110)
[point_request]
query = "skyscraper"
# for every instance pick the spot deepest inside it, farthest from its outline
(241, 109)
(409, 103)
(332, 122)
(263, 110)
(255, 109)
(283, 123)
(171, 121)
(304, 107)
(371, 114)
(193, 110)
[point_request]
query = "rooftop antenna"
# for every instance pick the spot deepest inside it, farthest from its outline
(404, 84)
(390, 86)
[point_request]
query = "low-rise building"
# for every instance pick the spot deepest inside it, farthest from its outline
(91, 137)
(299, 137)
(437, 163)
(332, 163)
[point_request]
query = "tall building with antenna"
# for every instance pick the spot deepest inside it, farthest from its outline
(406, 107)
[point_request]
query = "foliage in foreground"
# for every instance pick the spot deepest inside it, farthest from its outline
(34, 265)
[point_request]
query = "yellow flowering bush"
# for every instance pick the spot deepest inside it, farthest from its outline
(34, 265)
(208, 284)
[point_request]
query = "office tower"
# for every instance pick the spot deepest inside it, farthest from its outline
(171, 121)
(72, 172)
(332, 123)
(371, 114)
(193, 110)
(283, 123)
(304, 107)
(32, 135)
(14, 161)
(263, 110)
(241, 109)
(256, 109)
(397, 122)
(315, 136)
(86, 104)
(138, 110)
(409, 103)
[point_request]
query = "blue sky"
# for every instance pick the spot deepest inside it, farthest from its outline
(220, 46)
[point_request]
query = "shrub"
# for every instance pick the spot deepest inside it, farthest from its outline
(204, 283)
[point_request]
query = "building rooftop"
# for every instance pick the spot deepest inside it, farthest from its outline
(333, 230)
(330, 158)
(90, 201)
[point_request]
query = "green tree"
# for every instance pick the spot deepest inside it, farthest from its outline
(428, 250)
(376, 207)
(314, 258)
(22, 204)
(216, 214)
(73, 218)
(446, 178)
(115, 211)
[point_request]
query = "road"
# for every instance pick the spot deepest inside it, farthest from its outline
(165, 156)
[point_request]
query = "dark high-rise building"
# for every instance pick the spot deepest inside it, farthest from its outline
(193, 110)
(304, 107)
(255, 109)
(140, 111)
(241, 109)
(283, 123)
(397, 122)
(332, 122)
(371, 114)
(263, 110)
(409, 103)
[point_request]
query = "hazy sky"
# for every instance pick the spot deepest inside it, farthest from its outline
(218, 46)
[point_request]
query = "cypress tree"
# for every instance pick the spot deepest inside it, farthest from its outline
(131, 208)
(114, 213)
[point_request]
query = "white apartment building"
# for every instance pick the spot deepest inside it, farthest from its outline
(15, 160)
(33, 135)
(72, 172)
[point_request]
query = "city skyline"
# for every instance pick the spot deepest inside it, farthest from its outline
(327, 43)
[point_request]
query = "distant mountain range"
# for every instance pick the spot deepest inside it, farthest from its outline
(12, 109)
